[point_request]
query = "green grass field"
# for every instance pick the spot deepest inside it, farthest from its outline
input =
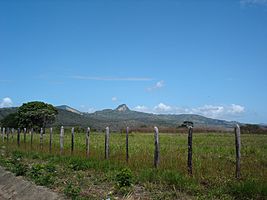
(95, 177)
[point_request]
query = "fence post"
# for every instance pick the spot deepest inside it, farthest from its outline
(127, 144)
(189, 159)
(24, 133)
(238, 153)
(72, 139)
(41, 138)
(18, 137)
(3, 133)
(7, 134)
(12, 133)
(0, 130)
(156, 153)
(50, 140)
(61, 139)
(107, 143)
(87, 142)
(31, 132)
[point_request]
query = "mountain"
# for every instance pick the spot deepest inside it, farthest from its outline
(65, 117)
(122, 116)
(122, 108)
(65, 107)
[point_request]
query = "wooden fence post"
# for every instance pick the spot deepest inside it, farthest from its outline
(0, 130)
(156, 153)
(107, 143)
(12, 133)
(31, 133)
(3, 133)
(189, 159)
(24, 133)
(18, 137)
(50, 140)
(72, 139)
(127, 144)
(87, 142)
(41, 138)
(238, 151)
(7, 134)
(61, 139)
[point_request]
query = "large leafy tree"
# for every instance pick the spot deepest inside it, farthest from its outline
(36, 114)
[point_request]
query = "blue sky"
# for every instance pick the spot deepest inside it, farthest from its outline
(203, 57)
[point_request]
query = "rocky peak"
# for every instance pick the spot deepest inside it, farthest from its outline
(122, 108)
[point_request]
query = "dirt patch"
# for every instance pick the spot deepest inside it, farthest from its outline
(17, 188)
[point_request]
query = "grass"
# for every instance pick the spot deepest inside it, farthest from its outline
(95, 178)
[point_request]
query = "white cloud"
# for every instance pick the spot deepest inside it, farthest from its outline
(6, 102)
(141, 108)
(162, 108)
(211, 111)
(114, 99)
(235, 109)
(158, 85)
(99, 78)
(225, 111)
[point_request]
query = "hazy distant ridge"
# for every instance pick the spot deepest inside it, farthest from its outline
(122, 116)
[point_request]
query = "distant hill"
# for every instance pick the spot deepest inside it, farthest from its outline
(69, 118)
(6, 111)
(122, 116)
(65, 107)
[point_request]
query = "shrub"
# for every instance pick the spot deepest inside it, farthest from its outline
(43, 174)
(19, 169)
(50, 167)
(17, 166)
(72, 191)
(124, 178)
(17, 155)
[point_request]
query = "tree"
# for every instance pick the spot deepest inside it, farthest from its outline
(36, 114)
(10, 121)
(187, 124)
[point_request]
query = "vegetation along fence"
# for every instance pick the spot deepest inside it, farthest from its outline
(9, 135)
